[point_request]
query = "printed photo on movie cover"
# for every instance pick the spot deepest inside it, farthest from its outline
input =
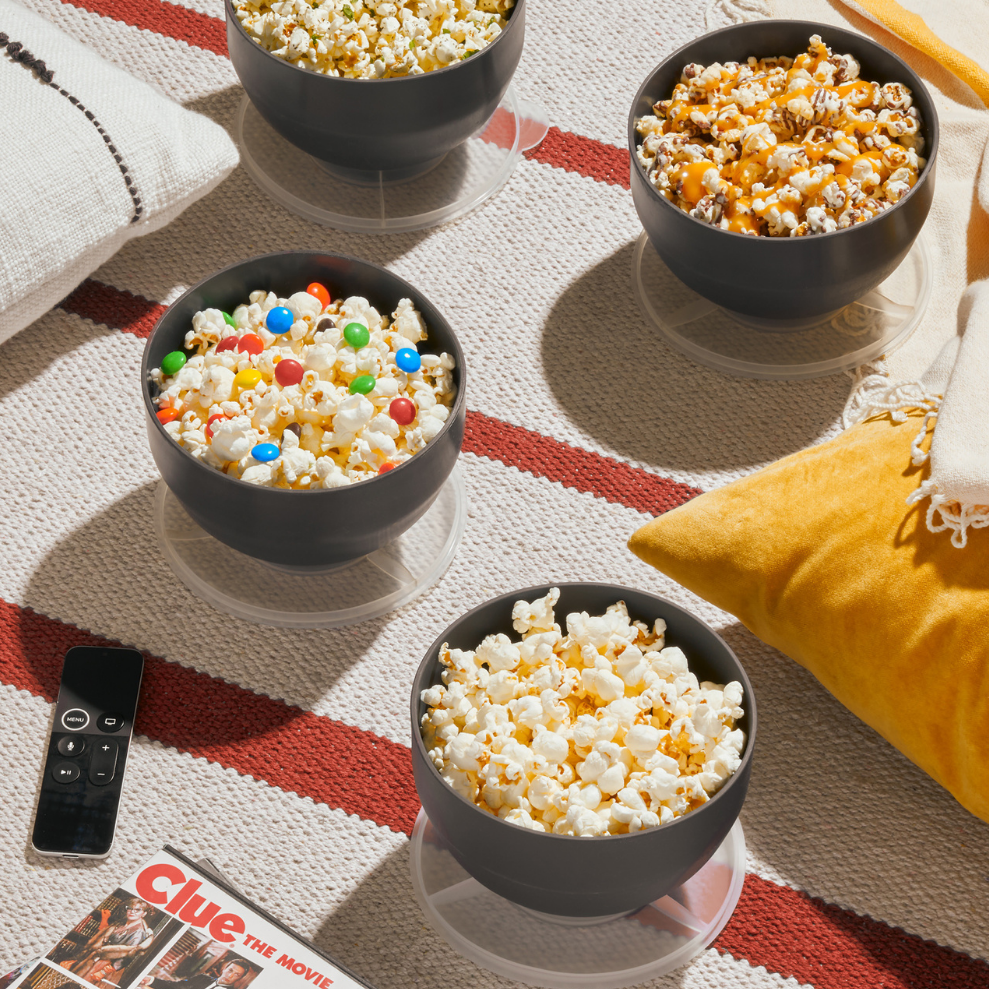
(115, 942)
(195, 962)
(44, 977)
(11, 977)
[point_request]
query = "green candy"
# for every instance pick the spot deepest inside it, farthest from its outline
(173, 363)
(364, 384)
(229, 320)
(357, 335)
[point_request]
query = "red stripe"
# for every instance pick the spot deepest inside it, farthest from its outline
(540, 455)
(572, 467)
(114, 307)
(295, 750)
(593, 159)
(168, 19)
(818, 943)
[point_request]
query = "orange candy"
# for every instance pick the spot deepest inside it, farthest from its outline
(386, 466)
(168, 415)
(320, 292)
(212, 419)
(250, 343)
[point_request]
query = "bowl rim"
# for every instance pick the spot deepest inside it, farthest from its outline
(817, 27)
(455, 409)
(233, 19)
(538, 590)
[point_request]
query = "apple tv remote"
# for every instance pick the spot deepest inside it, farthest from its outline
(87, 752)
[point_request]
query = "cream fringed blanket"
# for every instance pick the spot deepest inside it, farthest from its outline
(283, 755)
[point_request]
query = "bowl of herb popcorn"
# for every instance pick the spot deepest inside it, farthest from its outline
(783, 169)
(582, 748)
(305, 408)
(368, 86)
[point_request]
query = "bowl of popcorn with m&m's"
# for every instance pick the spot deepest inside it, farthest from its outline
(783, 169)
(581, 748)
(305, 408)
(386, 86)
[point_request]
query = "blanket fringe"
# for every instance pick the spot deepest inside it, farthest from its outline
(720, 13)
(872, 393)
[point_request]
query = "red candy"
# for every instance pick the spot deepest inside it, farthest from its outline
(250, 343)
(168, 415)
(386, 466)
(319, 291)
(402, 410)
(212, 419)
(288, 372)
(227, 343)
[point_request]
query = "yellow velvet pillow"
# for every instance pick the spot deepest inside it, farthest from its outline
(820, 556)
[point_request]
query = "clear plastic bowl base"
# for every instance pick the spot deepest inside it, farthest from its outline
(381, 202)
(312, 597)
(540, 949)
(782, 350)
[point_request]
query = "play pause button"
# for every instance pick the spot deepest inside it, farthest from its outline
(65, 772)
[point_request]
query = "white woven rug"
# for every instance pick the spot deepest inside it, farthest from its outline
(537, 286)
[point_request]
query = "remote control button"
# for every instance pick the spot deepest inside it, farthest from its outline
(65, 772)
(110, 722)
(71, 746)
(75, 720)
(103, 762)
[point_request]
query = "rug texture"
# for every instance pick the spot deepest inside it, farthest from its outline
(283, 756)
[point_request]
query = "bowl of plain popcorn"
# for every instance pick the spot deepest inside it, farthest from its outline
(783, 169)
(582, 748)
(391, 85)
(305, 408)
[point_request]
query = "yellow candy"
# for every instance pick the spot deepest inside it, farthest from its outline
(247, 378)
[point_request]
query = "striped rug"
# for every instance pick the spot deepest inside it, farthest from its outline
(283, 755)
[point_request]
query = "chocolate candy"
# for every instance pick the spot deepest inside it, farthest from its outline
(247, 378)
(402, 410)
(265, 452)
(279, 320)
(229, 320)
(173, 363)
(362, 385)
(227, 343)
(319, 292)
(357, 335)
(250, 343)
(288, 372)
(408, 360)
(168, 415)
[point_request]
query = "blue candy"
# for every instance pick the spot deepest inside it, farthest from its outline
(408, 360)
(279, 320)
(265, 452)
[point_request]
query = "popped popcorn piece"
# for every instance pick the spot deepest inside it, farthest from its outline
(230, 400)
(781, 146)
(603, 730)
(371, 40)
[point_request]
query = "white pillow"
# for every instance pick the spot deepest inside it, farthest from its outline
(90, 157)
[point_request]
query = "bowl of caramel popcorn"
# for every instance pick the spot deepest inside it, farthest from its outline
(364, 86)
(581, 748)
(783, 169)
(305, 408)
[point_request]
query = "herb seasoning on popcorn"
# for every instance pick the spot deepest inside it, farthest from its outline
(373, 40)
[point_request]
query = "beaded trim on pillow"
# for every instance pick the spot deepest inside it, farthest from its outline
(18, 53)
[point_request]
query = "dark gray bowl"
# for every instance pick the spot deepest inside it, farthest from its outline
(329, 525)
(400, 125)
(563, 874)
(782, 277)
